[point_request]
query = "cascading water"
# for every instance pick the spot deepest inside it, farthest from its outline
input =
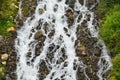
(46, 44)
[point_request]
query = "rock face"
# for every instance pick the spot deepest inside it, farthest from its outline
(87, 51)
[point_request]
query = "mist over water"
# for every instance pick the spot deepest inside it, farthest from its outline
(46, 43)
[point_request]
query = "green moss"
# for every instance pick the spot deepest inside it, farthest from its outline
(8, 11)
(1, 74)
(1, 71)
(102, 9)
(116, 67)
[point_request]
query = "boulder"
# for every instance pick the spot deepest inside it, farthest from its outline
(81, 50)
(38, 34)
(41, 10)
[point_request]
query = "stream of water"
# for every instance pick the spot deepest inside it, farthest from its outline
(56, 51)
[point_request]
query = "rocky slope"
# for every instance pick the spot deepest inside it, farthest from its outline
(84, 51)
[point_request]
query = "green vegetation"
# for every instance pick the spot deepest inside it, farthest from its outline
(116, 67)
(1, 71)
(109, 12)
(110, 30)
(8, 11)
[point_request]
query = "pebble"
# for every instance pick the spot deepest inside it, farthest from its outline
(4, 62)
(4, 56)
(11, 29)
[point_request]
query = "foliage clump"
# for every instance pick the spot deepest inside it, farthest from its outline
(110, 31)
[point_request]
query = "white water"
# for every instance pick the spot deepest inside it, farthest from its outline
(26, 43)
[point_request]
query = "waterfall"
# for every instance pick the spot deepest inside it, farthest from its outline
(50, 44)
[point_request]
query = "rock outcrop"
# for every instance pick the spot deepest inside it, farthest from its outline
(87, 48)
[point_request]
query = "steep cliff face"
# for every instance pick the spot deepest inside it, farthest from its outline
(89, 49)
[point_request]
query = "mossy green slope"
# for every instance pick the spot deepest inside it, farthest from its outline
(110, 32)
(8, 11)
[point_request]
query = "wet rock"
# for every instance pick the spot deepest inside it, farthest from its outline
(19, 22)
(70, 3)
(38, 34)
(27, 10)
(41, 11)
(80, 74)
(84, 24)
(65, 64)
(79, 17)
(37, 50)
(88, 17)
(81, 51)
(51, 34)
(90, 3)
(97, 51)
(43, 70)
(70, 16)
(81, 2)
(55, 7)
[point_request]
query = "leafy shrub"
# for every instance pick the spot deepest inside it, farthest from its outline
(110, 30)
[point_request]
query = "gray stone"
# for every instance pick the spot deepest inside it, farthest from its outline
(1, 38)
